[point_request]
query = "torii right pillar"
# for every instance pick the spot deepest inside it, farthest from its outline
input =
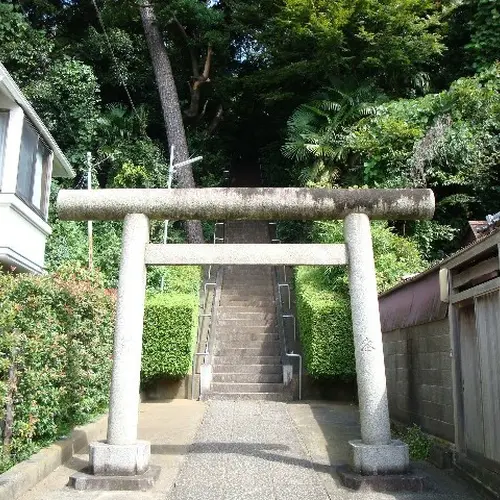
(375, 454)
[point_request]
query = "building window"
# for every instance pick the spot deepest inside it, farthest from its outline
(32, 175)
(4, 120)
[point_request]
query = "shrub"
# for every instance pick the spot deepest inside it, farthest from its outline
(323, 306)
(57, 333)
(176, 279)
(325, 326)
(170, 324)
(419, 443)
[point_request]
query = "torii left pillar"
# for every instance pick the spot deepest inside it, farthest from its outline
(122, 454)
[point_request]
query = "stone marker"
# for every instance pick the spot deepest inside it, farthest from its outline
(125, 458)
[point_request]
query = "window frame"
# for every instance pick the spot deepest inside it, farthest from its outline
(42, 211)
(3, 143)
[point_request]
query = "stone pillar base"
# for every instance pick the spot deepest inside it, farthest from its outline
(82, 481)
(410, 481)
(119, 460)
(381, 459)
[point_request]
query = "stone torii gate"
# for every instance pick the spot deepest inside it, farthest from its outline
(122, 454)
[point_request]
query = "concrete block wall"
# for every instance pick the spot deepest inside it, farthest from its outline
(419, 384)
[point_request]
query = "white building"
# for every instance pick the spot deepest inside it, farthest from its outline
(29, 157)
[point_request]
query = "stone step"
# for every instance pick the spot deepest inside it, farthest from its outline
(246, 295)
(246, 387)
(240, 378)
(248, 360)
(255, 368)
(254, 282)
(249, 303)
(267, 396)
(248, 308)
(243, 315)
(251, 279)
(263, 343)
(225, 330)
(247, 270)
(247, 300)
(241, 286)
(247, 337)
(242, 352)
(265, 324)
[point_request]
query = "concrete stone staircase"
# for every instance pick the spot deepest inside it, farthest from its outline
(247, 358)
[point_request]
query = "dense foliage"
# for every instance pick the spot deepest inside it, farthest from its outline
(325, 326)
(362, 88)
(323, 306)
(170, 325)
(447, 141)
(56, 353)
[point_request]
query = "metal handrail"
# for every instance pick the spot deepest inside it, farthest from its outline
(199, 337)
(195, 356)
(281, 285)
(282, 315)
(295, 355)
(210, 329)
(294, 324)
(275, 239)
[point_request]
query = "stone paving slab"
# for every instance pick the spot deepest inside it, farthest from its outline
(277, 451)
(249, 450)
(326, 428)
(170, 427)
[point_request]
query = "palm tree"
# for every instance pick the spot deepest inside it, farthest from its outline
(317, 130)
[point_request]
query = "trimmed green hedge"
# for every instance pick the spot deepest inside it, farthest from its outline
(325, 326)
(170, 325)
(57, 335)
(323, 306)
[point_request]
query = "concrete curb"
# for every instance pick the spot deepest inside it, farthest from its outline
(23, 476)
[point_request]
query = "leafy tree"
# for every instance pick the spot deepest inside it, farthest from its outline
(485, 35)
(447, 141)
(24, 50)
(317, 131)
(67, 99)
(170, 106)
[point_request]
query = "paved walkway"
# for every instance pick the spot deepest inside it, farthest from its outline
(225, 450)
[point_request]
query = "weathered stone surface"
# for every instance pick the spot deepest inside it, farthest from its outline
(379, 459)
(369, 352)
(228, 254)
(83, 481)
(125, 382)
(119, 460)
(246, 203)
(388, 483)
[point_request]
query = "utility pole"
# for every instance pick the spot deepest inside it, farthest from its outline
(90, 227)
(171, 172)
(169, 186)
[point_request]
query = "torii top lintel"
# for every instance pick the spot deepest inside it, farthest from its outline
(246, 203)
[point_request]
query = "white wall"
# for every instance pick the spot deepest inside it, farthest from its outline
(12, 148)
(22, 233)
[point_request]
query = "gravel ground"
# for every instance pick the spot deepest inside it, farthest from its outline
(274, 451)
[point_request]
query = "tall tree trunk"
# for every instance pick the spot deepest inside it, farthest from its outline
(170, 106)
